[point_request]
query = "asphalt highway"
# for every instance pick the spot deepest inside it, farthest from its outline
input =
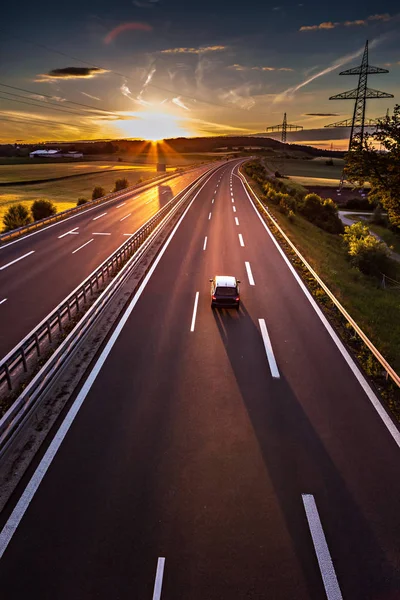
(38, 271)
(217, 455)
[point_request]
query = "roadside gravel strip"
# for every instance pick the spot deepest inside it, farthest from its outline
(59, 394)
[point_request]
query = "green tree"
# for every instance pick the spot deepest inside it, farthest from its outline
(368, 254)
(121, 184)
(16, 216)
(377, 161)
(98, 192)
(41, 209)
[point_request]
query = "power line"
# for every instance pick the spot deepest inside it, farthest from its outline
(43, 121)
(11, 87)
(41, 105)
(84, 62)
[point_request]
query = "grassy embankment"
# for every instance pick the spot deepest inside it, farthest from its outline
(376, 311)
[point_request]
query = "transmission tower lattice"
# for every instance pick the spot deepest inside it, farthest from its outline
(284, 127)
(360, 94)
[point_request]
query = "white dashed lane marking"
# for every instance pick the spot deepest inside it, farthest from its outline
(83, 245)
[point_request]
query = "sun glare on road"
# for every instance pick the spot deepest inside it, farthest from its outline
(152, 126)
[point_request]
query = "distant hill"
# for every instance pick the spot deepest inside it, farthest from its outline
(252, 143)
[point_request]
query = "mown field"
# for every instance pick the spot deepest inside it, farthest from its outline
(309, 172)
(65, 192)
(30, 172)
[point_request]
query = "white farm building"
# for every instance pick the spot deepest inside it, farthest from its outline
(54, 154)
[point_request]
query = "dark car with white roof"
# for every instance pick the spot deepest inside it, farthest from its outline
(225, 292)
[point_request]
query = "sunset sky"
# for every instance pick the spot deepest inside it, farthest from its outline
(167, 68)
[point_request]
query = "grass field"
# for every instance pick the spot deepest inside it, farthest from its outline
(308, 172)
(65, 193)
(30, 172)
(376, 311)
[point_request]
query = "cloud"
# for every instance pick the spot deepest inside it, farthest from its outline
(237, 67)
(126, 27)
(179, 102)
(127, 92)
(238, 98)
(384, 17)
(71, 73)
(90, 96)
(358, 22)
(194, 50)
(289, 93)
(321, 115)
(325, 25)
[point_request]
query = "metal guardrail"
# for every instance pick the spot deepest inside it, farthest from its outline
(389, 370)
(33, 344)
(10, 235)
(19, 412)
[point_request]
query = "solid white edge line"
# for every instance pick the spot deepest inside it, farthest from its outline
(236, 221)
(205, 243)
(159, 578)
(325, 563)
(16, 260)
(394, 432)
(4, 300)
(209, 216)
(68, 232)
(268, 349)
(22, 505)
(99, 217)
(83, 245)
(123, 218)
(196, 301)
(249, 273)
(241, 242)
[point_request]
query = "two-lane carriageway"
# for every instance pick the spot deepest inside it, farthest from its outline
(39, 270)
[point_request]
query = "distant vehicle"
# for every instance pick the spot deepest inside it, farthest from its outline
(225, 292)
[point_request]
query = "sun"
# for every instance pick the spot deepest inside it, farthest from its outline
(152, 126)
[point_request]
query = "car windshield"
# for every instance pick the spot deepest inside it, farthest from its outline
(226, 291)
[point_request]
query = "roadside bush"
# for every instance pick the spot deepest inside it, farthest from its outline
(41, 209)
(291, 216)
(366, 253)
(358, 204)
(16, 216)
(378, 217)
(121, 184)
(98, 192)
(357, 231)
(369, 255)
(322, 213)
(81, 201)
(329, 162)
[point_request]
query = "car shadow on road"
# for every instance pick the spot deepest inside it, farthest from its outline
(165, 194)
(297, 463)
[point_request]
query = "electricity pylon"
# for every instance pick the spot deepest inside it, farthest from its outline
(284, 127)
(360, 94)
